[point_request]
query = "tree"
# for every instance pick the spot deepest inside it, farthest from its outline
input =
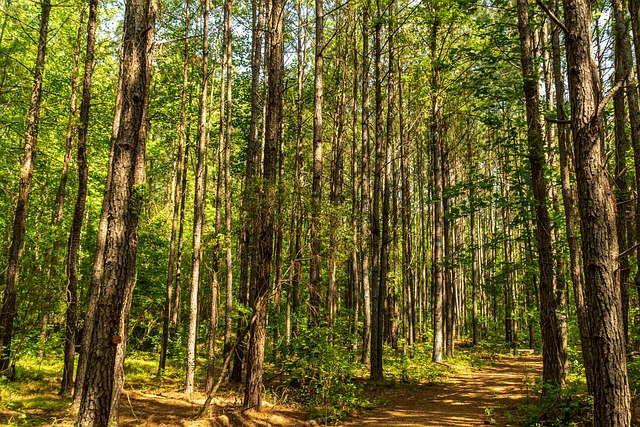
(198, 207)
(176, 197)
(554, 342)
(122, 205)
(597, 215)
(266, 204)
(316, 191)
(7, 312)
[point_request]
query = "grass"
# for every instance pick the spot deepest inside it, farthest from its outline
(31, 398)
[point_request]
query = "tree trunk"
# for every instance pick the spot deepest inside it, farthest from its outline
(198, 208)
(266, 203)
(228, 9)
(71, 320)
(248, 198)
(597, 214)
(366, 188)
(438, 207)
(98, 270)
(124, 197)
(407, 242)
(316, 190)
(83, 178)
(554, 343)
(377, 298)
(7, 313)
(623, 71)
(168, 312)
(634, 11)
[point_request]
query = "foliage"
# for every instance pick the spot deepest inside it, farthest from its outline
(571, 406)
(320, 375)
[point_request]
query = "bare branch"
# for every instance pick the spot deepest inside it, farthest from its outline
(552, 16)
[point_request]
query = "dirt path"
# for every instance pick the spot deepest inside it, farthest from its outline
(487, 396)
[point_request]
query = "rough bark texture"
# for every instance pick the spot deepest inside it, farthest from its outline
(266, 203)
(125, 196)
(554, 343)
(377, 297)
(623, 72)
(569, 203)
(598, 225)
(20, 216)
(98, 260)
(228, 9)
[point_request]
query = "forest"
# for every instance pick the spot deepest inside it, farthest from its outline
(298, 212)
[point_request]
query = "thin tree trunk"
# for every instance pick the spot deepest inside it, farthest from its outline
(366, 188)
(438, 207)
(168, 312)
(228, 8)
(623, 71)
(253, 150)
(7, 313)
(198, 208)
(296, 245)
(177, 299)
(83, 179)
(335, 193)
(407, 241)
(316, 189)
(377, 298)
(71, 321)
(554, 343)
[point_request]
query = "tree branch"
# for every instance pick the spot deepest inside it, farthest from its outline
(553, 17)
(557, 121)
(611, 94)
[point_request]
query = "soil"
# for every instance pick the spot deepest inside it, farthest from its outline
(489, 396)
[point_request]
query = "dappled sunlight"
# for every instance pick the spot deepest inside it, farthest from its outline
(470, 399)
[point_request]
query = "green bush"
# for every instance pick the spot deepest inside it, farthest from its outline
(320, 374)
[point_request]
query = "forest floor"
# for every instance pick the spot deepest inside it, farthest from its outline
(489, 395)
(492, 395)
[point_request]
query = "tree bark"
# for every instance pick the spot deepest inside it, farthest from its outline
(407, 230)
(198, 207)
(554, 360)
(97, 272)
(623, 71)
(248, 199)
(7, 312)
(83, 178)
(71, 317)
(124, 198)
(377, 296)
(228, 9)
(266, 203)
(438, 207)
(366, 188)
(316, 189)
(168, 312)
(597, 214)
